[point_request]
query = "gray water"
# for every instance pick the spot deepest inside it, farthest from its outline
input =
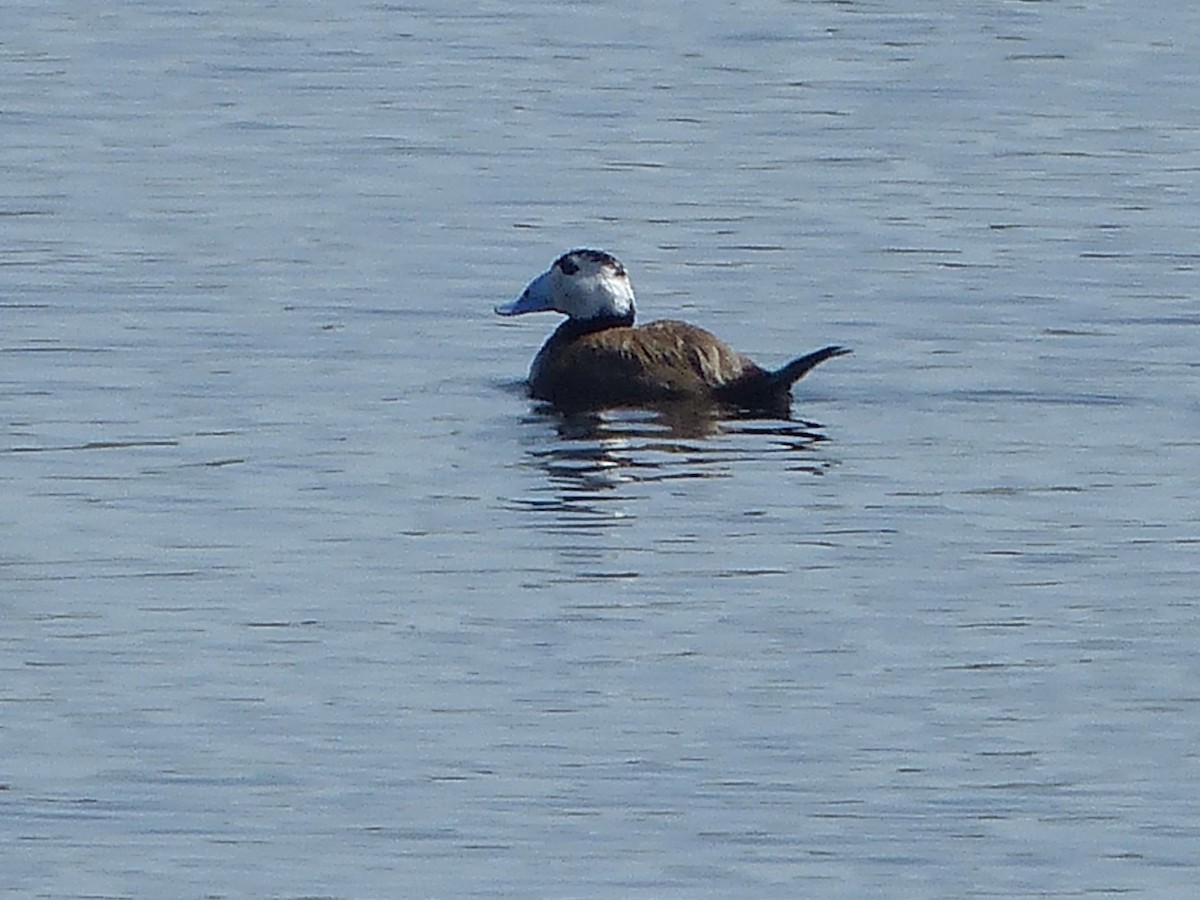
(301, 597)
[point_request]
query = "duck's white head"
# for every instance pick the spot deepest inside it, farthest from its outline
(583, 284)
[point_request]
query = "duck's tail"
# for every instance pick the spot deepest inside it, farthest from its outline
(772, 391)
(781, 380)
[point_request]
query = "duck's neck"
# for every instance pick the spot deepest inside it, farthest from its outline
(575, 328)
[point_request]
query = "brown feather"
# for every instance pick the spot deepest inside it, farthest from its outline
(624, 365)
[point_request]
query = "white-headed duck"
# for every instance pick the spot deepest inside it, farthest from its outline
(597, 359)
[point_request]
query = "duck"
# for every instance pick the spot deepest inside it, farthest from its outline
(598, 359)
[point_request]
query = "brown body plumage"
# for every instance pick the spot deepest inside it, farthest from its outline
(664, 361)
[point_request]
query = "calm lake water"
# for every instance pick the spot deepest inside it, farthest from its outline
(301, 597)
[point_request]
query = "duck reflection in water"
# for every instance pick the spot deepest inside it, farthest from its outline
(598, 359)
(598, 451)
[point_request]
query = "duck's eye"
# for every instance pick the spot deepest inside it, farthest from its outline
(619, 271)
(568, 265)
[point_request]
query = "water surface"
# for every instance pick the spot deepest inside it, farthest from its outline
(302, 597)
